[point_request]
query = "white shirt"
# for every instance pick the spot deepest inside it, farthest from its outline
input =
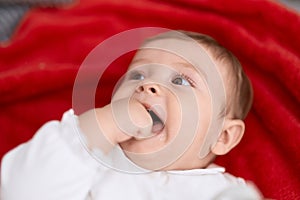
(54, 165)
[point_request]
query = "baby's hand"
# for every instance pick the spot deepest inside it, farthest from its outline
(132, 118)
(115, 123)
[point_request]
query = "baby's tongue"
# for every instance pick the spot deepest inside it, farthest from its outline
(157, 127)
(157, 123)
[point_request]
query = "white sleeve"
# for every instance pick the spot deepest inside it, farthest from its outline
(53, 165)
(237, 192)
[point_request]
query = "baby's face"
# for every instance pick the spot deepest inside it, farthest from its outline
(174, 93)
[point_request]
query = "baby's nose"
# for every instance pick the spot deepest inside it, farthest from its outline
(150, 88)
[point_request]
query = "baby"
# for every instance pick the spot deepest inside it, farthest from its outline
(181, 103)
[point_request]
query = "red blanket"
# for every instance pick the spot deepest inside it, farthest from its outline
(38, 67)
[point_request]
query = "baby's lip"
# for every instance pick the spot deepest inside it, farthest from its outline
(158, 116)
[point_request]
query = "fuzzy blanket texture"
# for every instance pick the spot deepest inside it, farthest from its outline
(38, 66)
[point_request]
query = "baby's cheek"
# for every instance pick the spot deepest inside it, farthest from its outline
(174, 115)
(204, 105)
(205, 114)
(124, 90)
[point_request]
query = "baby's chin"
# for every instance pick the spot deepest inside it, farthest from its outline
(146, 145)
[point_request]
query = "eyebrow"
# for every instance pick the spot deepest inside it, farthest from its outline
(192, 67)
(177, 64)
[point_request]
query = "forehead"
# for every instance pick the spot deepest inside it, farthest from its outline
(148, 56)
(175, 50)
(180, 53)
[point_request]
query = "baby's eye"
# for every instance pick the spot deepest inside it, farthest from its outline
(179, 80)
(136, 76)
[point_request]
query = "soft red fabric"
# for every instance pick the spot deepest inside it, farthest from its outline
(38, 67)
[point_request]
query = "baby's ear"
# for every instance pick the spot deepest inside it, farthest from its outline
(231, 135)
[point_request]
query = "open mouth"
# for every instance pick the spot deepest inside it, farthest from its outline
(158, 124)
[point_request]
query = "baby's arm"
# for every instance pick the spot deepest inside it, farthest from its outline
(55, 165)
(52, 165)
(114, 123)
